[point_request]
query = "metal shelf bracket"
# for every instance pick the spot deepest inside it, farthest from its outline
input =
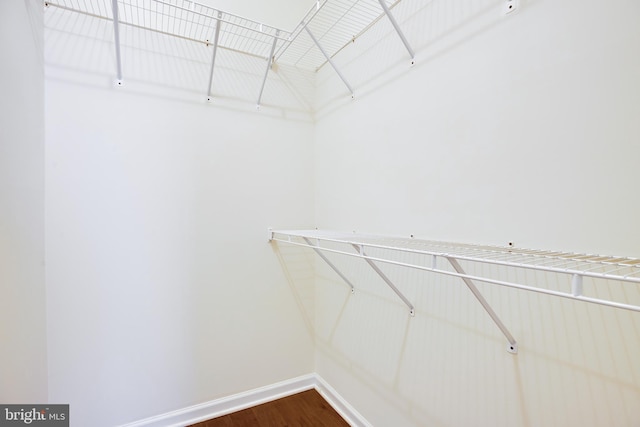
(215, 50)
(576, 285)
(326, 55)
(398, 30)
(330, 264)
(316, 249)
(269, 64)
(363, 255)
(116, 37)
(512, 347)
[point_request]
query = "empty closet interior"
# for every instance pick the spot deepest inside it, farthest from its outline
(424, 209)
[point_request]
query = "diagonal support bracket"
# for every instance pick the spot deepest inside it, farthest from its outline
(116, 37)
(398, 30)
(269, 64)
(329, 263)
(326, 55)
(512, 347)
(384, 277)
(215, 51)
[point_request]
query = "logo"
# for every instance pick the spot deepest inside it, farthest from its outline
(34, 415)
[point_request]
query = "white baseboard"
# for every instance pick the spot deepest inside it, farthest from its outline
(338, 403)
(237, 402)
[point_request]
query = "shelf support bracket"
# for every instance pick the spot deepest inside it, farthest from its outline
(329, 263)
(512, 347)
(398, 30)
(576, 285)
(326, 55)
(269, 64)
(116, 37)
(384, 277)
(215, 50)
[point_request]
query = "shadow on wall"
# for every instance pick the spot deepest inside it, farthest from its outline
(34, 11)
(298, 268)
(448, 366)
(80, 49)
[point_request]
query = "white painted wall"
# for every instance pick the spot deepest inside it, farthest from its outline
(159, 297)
(503, 131)
(521, 128)
(162, 289)
(23, 373)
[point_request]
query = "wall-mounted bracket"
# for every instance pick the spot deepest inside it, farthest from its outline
(576, 285)
(316, 248)
(326, 55)
(269, 64)
(398, 30)
(512, 346)
(330, 264)
(215, 50)
(116, 38)
(363, 255)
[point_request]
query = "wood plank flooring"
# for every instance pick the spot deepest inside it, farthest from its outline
(306, 409)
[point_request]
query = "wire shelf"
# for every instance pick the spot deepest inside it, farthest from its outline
(576, 266)
(188, 20)
(326, 29)
(336, 24)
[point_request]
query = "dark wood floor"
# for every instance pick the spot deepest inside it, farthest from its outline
(300, 410)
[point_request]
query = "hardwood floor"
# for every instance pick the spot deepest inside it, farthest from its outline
(300, 410)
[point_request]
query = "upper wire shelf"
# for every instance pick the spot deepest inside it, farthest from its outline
(577, 266)
(327, 28)
(335, 22)
(188, 20)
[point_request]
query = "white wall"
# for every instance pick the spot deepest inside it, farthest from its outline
(503, 130)
(162, 289)
(23, 373)
(521, 128)
(159, 296)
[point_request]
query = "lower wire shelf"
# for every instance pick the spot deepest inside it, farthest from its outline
(447, 258)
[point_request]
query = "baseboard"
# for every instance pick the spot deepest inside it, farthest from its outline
(348, 412)
(237, 402)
